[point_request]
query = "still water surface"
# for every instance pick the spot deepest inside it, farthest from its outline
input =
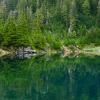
(50, 78)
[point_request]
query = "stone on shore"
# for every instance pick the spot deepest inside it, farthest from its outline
(3, 52)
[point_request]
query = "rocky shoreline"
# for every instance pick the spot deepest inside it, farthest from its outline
(28, 52)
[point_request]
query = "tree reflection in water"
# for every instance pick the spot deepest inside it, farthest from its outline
(50, 78)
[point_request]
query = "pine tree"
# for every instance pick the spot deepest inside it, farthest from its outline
(73, 16)
(1, 30)
(65, 12)
(98, 13)
(10, 34)
(86, 7)
(23, 28)
(3, 10)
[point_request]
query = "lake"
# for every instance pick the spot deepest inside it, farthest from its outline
(50, 78)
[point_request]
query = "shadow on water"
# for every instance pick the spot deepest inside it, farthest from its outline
(50, 78)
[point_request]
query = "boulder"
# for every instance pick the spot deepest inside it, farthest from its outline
(25, 50)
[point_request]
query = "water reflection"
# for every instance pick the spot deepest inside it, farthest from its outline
(50, 78)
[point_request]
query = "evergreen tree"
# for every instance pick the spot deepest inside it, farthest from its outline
(23, 28)
(10, 34)
(86, 7)
(1, 30)
(3, 10)
(98, 13)
(73, 16)
(27, 20)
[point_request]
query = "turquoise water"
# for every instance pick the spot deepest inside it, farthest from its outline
(50, 78)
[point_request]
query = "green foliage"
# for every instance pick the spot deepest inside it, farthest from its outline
(86, 7)
(1, 32)
(49, 23)
(98, 13)
(38, 40)
(9, 33)
(1, 38)
(38, 20)
(71, 41)
(23, 29)
(93, 36)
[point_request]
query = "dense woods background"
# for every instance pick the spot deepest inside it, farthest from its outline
(49, 23)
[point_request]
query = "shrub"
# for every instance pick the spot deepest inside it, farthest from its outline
(93, 36)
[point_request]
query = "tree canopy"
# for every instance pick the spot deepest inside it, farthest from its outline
(60, 19)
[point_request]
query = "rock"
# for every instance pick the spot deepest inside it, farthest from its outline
(29, 50)
(25, 52)
(3, 52)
